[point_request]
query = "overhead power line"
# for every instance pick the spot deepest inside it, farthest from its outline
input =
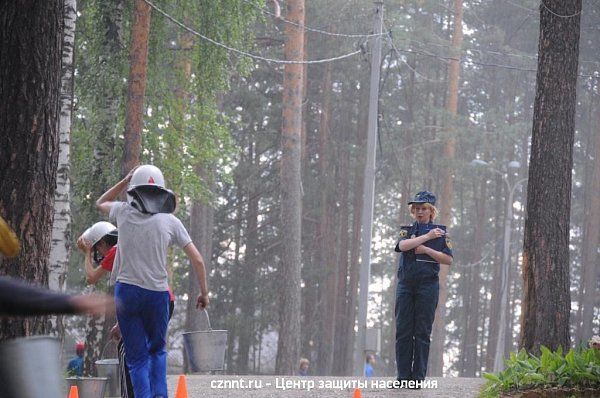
(559, 15)
(244, 53)
(343, 56)
(316, 30)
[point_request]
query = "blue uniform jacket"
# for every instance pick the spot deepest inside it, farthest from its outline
(421, 267)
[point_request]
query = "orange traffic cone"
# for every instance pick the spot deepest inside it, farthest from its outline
(181, 391)
(357, 393)
(73, 393)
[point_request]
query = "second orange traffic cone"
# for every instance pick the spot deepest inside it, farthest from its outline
(181, 391)
(357, 393)
(73, 392)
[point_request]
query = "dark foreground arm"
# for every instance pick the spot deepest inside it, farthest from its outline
(19, 298)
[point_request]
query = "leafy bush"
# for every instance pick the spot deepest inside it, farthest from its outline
(579, 368)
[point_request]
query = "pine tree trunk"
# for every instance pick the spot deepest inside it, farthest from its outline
(546, 298)
(30, 59)
(473, 280)
(201, 232)
(288, 345)
(326, 265)
(138, 63)
(436, 353)
(250, 266)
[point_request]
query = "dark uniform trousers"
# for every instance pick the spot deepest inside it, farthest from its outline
(416, 300)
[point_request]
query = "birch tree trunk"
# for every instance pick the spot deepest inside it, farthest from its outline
(546, 281)
(288, 345)
(60, 246)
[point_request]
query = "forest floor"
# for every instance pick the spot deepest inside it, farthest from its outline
(228, 386)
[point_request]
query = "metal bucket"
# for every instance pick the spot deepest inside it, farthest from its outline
(206, 348)
(89, 387)
(30, 368)
(109, 368)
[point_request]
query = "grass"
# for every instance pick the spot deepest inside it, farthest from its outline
(578, 369)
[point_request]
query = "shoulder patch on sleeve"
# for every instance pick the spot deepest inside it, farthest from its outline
(448, 243)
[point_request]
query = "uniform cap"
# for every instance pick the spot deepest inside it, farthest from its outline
(423, 197)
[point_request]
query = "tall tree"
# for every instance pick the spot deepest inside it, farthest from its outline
(590, 231)
(436, 355)
(30, 61)
(546, 246)
(325, 260)
(288, 345)
(138, 63)
(60, 249)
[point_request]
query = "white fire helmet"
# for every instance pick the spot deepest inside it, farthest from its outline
(147, 191)
(98, 231)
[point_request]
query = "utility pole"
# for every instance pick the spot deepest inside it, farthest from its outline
(369, 193)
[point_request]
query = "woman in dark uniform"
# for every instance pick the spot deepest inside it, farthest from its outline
(424, 246)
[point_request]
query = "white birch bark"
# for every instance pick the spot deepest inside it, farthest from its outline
(61, 227)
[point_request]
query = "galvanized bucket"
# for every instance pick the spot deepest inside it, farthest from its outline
(89, 387)
(109, 368)
(206, 348)
(30, 368)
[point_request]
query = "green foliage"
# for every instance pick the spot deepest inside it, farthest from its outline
(579, 368)
(184, 131)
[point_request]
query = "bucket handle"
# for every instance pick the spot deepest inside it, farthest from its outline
(207, 318)
(110, 341)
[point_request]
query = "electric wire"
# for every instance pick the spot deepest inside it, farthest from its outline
(559, 15)
(309, 29)
(445, 59)
(244, 53)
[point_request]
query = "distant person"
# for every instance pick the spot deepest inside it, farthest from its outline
(75, 366)
(424, 246)
(303, 367)
(147, 228)
(369, 362)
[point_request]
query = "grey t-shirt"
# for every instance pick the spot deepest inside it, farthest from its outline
(144, 239)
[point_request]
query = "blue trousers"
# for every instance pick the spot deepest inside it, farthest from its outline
(143, 316)
(416, 302)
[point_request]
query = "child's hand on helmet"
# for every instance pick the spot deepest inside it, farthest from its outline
(130, 174)
(83, 244)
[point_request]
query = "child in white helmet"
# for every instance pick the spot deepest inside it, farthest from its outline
(147, 228)
(98, 243)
